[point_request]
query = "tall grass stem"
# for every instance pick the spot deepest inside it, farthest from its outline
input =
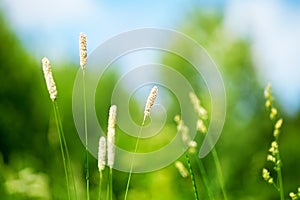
(192, 176)
(280, 181)
(132, 160)
(100, 185)
(205, 178)
(110, 184)
(60, 133)
(87, 175)
(219, 172)
(67, 150)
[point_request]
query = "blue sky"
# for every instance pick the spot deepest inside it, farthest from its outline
(51, 27)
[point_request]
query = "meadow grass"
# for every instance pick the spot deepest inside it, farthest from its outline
(106, 144)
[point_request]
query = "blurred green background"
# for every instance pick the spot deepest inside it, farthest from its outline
(30, 160)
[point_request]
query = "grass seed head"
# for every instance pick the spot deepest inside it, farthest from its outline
(111, 135)
(150, 101)
(266, 176)
(181, 169)
(273, 113)
(49, 78)
(197, 106)
(271, 158)
(82, 50)
(201, 126)
(101, 153)
(267, 91)
(279, 124)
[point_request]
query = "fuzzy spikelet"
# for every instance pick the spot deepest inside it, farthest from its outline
(101, 153)
(111, 135)
(181, 169)
(49, 78)
(197, 106)
(266, 176)
(82, 50)
(150, 101)
(183, 129)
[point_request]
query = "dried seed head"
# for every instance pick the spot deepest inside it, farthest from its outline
(150, 101)
(181, 169)
(111, 135)
(101, 153)
(49, 78)
(82, 50)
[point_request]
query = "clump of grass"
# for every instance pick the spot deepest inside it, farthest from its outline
(62, 141)
(150, 101)
(274, 153)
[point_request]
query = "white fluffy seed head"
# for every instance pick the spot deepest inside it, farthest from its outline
(111, 135)
(150, 101)
(82, 50)
(101, 153)
(112, 117)
(49, 78)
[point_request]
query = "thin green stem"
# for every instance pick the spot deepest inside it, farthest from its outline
(205, 178)
(219, 172)
(280, 179)
(87, 175)
(110, 184)
(100, 184)
(57, 119)
(192, 176)
(132, 160)
(66, 149)
(108, 188)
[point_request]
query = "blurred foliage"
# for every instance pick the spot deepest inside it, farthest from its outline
(29, 145)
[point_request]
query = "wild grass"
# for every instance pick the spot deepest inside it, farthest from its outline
(274, 150)
(62, 140)
(150, 101)
(83, 61)
(106, 151)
